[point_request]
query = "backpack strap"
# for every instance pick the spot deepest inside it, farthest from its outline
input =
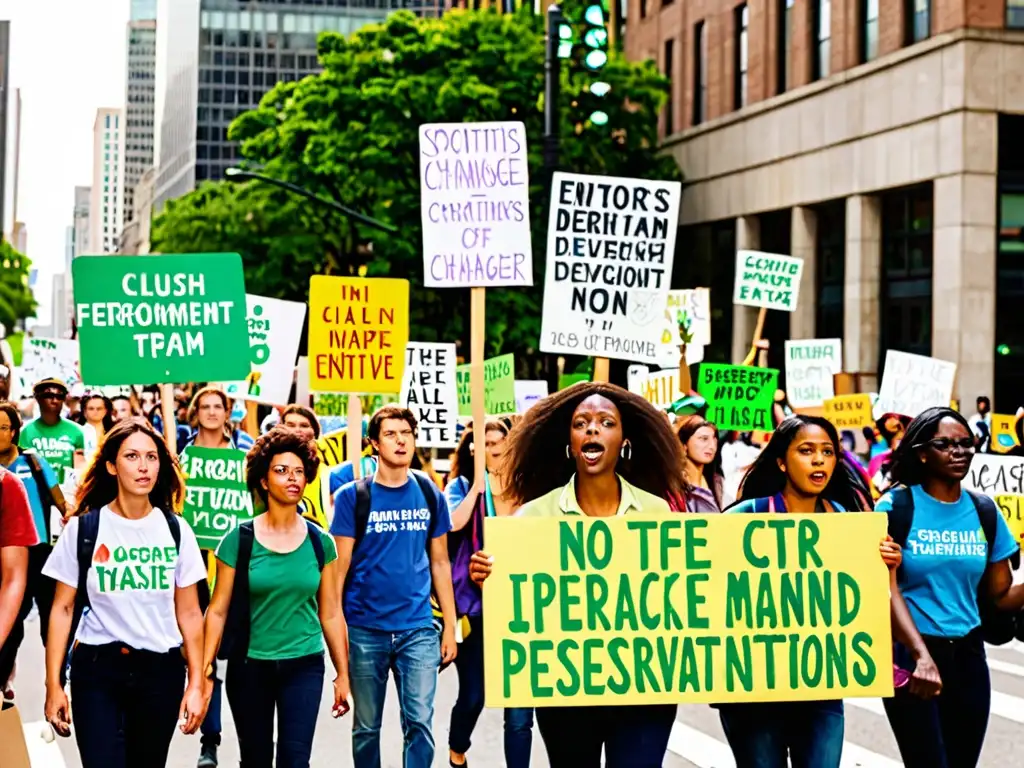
(235, 640)
(361, 514)
(430, 493)
(313, 531)
(85, 546)
(901, 519)
(175, 525)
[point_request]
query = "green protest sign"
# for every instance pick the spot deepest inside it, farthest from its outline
(336, 403)
(216, 496)
(738, 397)
(566, 380)
(767, 280)
(161, 319)
(499, 386)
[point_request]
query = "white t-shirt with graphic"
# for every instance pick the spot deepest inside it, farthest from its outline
(135, 569)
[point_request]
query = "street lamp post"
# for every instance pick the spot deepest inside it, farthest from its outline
(552, 91)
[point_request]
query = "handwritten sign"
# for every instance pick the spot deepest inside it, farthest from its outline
(43, 358)
(768, 280)
(161, 319)
(216, 496)
(687, 320)
(358, 329)
(611, 242)
(275, 329)
(475, 203)
(528, 392)
(428, 390)
(738, 397)
(849, 411)
(659, 388)
(499, 386)
(811, 365)
(912, 383)
(685, 609)
(1002, 478)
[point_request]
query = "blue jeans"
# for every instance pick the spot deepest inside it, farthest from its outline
(810, 733)
(518, 736)
(292, 687)
(413, 656)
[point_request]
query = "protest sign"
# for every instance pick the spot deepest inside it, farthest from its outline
(336, 404)
(810, 367)
(1004, 433)
(687, 320)
(43, 358)
(768, 280)
(275, 329)
(358, 329)
(161, 319)
(475, 203)
(216, 496)
(685, 609)
(1001, 478)
(499, 386)
(566, 380)
(849, 411)
(659, 388)
(611, 242)
(528, 392)
(428, 390)
(912, 383)
(738, 397)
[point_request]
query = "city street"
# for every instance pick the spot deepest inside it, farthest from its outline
(697, 739)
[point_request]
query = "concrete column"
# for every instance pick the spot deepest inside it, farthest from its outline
(804, 236)
(748, 238)
(964, 280)
(861, 310)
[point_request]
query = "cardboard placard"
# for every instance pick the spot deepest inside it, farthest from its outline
(216, 496)
(811, 365)
(43, 358)
(738, 397)
(358, 329)
(528, 392)
(611, 243)
(1001, 478)
(475, 203)
(849, 411)
(659, 388)
(1004, 433)
(13, 748)
(691, 308)
(768, 280)
(684, 609)
(428, 390)
(275, 330)
(913, 383)
(499, 386)
(161, 319)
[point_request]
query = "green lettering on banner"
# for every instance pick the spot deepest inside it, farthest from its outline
(216, 499)
(738, 397)
(161, 318)
(499, 386)
(513, 661)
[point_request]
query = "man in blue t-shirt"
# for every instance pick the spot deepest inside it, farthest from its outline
(388, 569)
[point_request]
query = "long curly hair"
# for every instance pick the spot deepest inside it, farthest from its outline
(275, 442)
(764, 478)
(904, 466)
(462, 460)
(98, 487)
(687, 427)
(535, 461)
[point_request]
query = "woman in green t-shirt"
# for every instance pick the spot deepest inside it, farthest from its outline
(293, 600)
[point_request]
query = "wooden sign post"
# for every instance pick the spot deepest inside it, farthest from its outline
(354, 434)
(477, 336)
(600, 369)
(170, 420)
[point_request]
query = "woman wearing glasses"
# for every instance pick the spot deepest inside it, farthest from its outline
(953, 543)
(276, 594)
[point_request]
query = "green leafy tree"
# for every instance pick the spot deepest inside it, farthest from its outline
(350, 134)
(16, 299)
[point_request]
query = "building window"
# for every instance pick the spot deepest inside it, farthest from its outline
(830, 275)
(869, 30)
(906, 291)
(785, 37)
(670, 105)
(821, 31)
(1009, 336)
(740, 68)
(1015, 13)
(700, 74)
(918, 21)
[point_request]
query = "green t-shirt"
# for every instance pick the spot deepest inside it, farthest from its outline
(282, 597)
(56, 444)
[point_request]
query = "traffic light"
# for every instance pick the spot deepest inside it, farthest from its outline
(565, 40)
(595, 56)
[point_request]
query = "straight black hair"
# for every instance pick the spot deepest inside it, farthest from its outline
(904, 466)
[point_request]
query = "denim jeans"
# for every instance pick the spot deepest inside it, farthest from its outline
(470, 704)
(947, 731)
(809, 733)
(413, 656)
(257, 688)
(632, 737)
(126, 704)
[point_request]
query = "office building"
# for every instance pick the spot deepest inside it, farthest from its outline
(879, 140)
(5, 69)
(217, 58)
(106, 201)
(143, 10)
(81, 222)
(140, 100)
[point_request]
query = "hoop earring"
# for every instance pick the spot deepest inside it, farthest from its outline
(568, 453)
(626, 452)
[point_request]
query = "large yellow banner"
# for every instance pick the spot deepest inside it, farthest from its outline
(686, 608)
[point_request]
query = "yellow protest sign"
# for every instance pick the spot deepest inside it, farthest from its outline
(316, 498)
(648, 609)
(358, 329)
(1012, 508)
(1002, 479)
(1004, 434)
(849, 411)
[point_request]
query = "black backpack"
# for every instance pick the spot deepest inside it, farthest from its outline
(235, 641)
(997, 627)
(88, 529)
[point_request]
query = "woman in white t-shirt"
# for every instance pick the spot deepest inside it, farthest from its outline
(142, 619)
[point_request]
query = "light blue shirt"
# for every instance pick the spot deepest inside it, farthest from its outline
(21, 468)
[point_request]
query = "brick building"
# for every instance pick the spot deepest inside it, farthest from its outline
(882, 141)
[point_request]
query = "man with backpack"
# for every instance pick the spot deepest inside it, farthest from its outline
(391, 531)
(17, 535)
(43, 491)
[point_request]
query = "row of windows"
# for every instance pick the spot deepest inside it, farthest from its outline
(294, 41)
(257, 21)
(304, 64)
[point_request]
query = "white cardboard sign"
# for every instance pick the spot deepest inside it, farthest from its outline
(912, 383)
(528, 392)
(275, 329)
(611, 242)
(43, 358)
(811, 365)
(429, 391)
(475, 205)
(694, 306)
(768, 280)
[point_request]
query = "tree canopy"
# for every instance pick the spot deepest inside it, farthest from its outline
(351, 133)
(16, 299)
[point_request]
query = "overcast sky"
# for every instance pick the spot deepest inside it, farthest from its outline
(68, 59)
